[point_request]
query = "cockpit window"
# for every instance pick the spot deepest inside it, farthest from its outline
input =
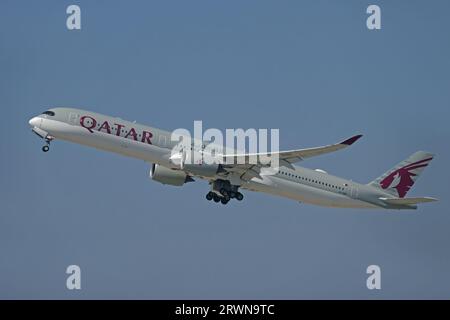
(49, 113)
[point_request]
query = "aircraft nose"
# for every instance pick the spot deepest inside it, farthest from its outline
(34, 122)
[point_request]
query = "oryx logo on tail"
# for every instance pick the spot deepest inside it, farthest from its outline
(403, 178)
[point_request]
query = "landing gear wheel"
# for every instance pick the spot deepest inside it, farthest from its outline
(239, 196)
(209, 196)
(224, 201)
(45, 148)
(216, 198)
(225, 194)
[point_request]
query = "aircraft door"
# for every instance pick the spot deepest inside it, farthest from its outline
(74, 118)
(354, 191)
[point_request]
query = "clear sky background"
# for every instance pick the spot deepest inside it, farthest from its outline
(310, 68)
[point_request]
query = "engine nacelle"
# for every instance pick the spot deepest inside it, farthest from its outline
(169, 176)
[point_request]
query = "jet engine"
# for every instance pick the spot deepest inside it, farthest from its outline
(169, 176)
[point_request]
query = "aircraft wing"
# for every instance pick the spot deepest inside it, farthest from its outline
(286, 158)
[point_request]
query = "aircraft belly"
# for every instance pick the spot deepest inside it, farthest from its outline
(303, 193)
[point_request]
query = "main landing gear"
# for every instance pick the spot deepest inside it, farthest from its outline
(225, 197)
(223, 192)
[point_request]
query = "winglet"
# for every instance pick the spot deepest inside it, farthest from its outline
(351, 140)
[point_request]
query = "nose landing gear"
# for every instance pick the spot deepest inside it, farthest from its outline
(46, 148)
(43, 135)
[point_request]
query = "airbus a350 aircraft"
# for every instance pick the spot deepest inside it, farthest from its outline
(301, 184)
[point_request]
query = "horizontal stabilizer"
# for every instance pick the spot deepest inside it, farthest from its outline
(407, 201)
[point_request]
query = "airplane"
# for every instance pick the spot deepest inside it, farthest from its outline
(304, 185)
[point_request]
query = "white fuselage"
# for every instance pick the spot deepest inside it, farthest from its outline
(154, 146)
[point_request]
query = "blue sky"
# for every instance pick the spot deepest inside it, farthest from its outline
(309, 68)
